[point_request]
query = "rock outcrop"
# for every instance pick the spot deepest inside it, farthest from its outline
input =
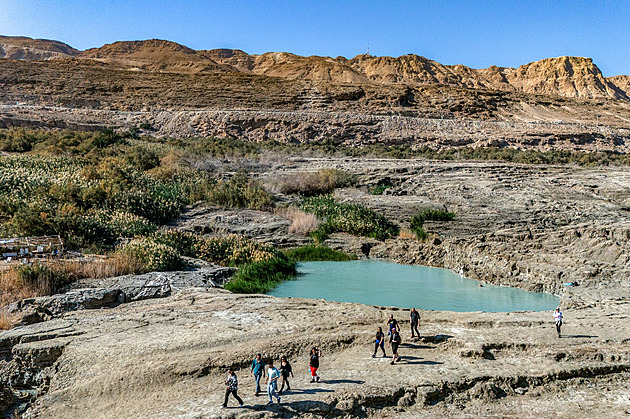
(23, 48)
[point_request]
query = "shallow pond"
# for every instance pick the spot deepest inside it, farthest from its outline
(389, 284)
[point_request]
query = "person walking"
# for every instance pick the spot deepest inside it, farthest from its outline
(231, 387)
(557, 318)
(314, 364)
(272, 383)
(380, 342)
(392, 323)
(414, 319)
(394, 342)
(285, 371)
(257, 369)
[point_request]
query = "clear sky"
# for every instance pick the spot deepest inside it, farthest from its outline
(474, 33)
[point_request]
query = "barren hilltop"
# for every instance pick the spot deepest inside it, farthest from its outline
(563, 76)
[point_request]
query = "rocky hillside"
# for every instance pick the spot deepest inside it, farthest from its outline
(22, 48)
(574, 77)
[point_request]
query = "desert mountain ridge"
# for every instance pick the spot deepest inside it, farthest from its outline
(576, 77)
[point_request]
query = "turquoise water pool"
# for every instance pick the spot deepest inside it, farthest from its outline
(384, 283)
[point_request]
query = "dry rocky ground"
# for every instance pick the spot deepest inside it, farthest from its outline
(533, 227)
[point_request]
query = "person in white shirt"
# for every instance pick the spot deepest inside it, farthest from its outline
(272, 382)
(557, 318)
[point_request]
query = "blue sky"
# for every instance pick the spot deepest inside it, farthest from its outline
(474, 33)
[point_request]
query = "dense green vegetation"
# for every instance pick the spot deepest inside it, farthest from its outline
(417, 221)
(94, 188)
(263, 276)
(313, 253)
(347, 218)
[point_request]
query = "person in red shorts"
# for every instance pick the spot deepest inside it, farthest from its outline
(314, 364)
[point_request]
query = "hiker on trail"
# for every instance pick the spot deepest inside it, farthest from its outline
(257, 369)
(414, 319)
(231, 386)
(557, 318)
(272, 383)
(394, 342)
(314, 364)
(285, 371)
(392, 323)
(380, 342)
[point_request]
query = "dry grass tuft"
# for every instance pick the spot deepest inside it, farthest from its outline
(302, 222)
(8, 320)
(312, 183)
(16, 285)
(116, 265)
(406, 233)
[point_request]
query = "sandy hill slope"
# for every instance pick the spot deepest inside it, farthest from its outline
(23, 48)
(156, 55)
(574, 77)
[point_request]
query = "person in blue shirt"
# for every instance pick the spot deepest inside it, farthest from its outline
(257, 369)
(272, 383)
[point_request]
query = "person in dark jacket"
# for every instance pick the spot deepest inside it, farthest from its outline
(394, 342)
(380, 342)
(414, 320)
(314, 364)
(285, 371)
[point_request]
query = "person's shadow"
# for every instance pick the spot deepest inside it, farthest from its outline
(307, 391)
(416, 346)
(415, 360)
(579, 336)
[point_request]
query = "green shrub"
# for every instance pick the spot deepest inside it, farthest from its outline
(317, 253)
(436, 215)
(348, 218)
(155, 257)
(240, 192)
(417, 221)
(261, 277)
(379, 189)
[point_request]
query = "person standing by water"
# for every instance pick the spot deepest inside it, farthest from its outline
(314, 364)
(285, 371)
(257, 369)
(414, 319)
(394, 341)
(380, 342)
(557, 318)
(272, 383)
(231, 386)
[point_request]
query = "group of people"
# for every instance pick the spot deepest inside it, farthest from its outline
(394, 335)
(273, 374)
(258, 369)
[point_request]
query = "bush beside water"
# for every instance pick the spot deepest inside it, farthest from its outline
(347, 218)
(317, 253)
